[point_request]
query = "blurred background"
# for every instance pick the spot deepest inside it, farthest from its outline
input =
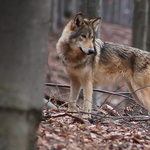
(123, 21)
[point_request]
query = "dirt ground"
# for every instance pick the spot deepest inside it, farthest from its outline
(111, 127)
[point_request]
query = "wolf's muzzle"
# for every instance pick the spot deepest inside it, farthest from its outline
(90, 51)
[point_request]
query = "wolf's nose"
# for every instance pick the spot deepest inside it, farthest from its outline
(91, 51)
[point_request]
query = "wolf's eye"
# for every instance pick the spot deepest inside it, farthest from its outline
(84, 36)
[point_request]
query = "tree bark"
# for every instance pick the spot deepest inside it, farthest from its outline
(24, 30)
(94, 11)
(61, 6)
(54, 16)
(148, 27)
(139, 28)
(71, 8)
(83, 7)
(107, 10)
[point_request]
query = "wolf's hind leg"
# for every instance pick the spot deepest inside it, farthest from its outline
(142, 95)
(134, 94)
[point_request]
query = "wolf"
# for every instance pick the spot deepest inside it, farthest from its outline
(89, 62)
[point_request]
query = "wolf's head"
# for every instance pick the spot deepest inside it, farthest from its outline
(82, 35)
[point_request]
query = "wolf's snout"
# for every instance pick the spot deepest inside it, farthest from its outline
(91, 51)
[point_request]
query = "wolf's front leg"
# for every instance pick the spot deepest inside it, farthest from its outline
(74, 93)
(87, 91)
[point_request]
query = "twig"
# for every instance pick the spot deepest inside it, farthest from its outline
(98, 90)
(95, 90)
(52, 74)
(133, 118)
(64, 114)
(140, 88)
(107, 99)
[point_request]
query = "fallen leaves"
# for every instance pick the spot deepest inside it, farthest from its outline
(60, 131)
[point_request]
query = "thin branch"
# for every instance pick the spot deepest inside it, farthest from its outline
(64, 114)
(133, 118)
(140, 88)
(95, 90)
(107, 99)
(103, 91)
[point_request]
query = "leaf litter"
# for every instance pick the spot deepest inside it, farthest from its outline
(107, 130)
(62, 131)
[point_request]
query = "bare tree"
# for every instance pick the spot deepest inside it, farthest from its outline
(54, 15)
(61, 6)
(139, 28)
(118, 11)
(148, 27)
(24, 29)
(71, 7)
(94, 10)
(83, 7)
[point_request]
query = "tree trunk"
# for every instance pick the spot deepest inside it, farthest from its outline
(139, 28)
(116, 7)
(107, 10)
(24, 31)
(67, 11)
(71, 8)
(61, 6)
(83, 7)
(94, 11)
(54, 15)
(148, 27)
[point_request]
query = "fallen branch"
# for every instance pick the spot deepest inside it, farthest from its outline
(132, 118)
(49, 104)
(95, 90)
(98, 90)
(65, 114)
(141, 88)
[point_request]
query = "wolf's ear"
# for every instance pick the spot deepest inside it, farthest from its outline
(95, 23)
(78, 20)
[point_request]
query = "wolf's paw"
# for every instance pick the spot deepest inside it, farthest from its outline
(84, 115)
(72, 108)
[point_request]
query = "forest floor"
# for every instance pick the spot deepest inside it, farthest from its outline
(114, 126)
